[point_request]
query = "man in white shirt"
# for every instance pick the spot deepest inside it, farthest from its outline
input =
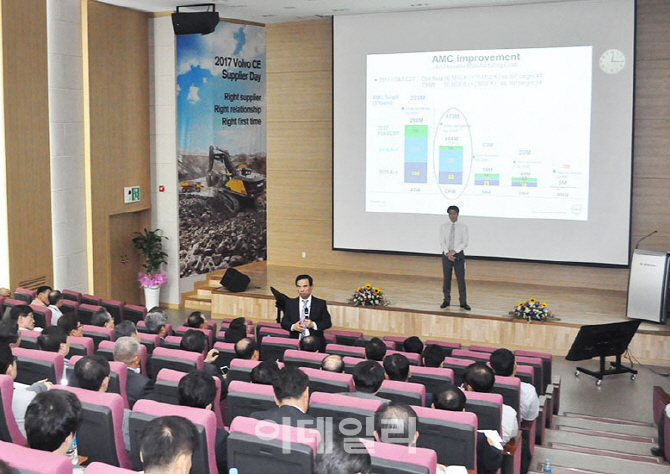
(453, 241)
(503, 363)
(55, 302)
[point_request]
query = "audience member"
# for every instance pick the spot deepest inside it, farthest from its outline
(92, 373)
(397, 367)
(42, 297)
(196, 341)
(479, 377)
(265, 372)
(126, 329)
(127, 350)
(433, 356)
(413, 344)
(52, 420)
(23, 315)
(503, 363)
(291, 391)
(375, 349)
(333, 363)
(23, 394)
(246, 348)
(9, 333)
(368, 378)
(237, 329)
(198, 390)
(167, 445)
(55, 303)
(339, 455)
(196, 320)
(5, 293)
(451, 398)
(156, 323)
(102, 319)
(54, 339)
(310, 344)
(70, 324)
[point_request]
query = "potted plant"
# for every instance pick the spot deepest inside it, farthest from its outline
(150, 245)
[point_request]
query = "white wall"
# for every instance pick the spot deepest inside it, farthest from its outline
(66, 134)
(163, 117)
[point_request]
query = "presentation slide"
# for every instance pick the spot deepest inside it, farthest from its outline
(480, 127)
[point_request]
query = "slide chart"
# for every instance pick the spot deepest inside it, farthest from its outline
(500, 133)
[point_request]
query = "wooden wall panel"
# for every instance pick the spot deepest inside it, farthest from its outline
(116, 94)
(299, 84)
(26, 121)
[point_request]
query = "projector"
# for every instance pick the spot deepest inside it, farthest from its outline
(189, 23)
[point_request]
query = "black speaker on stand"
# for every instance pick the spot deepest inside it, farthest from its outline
(235, 281)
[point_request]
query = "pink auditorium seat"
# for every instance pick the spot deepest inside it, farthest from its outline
(9, 430)
(72, 295)
(166, 389)
(80, 345)
(172, 342)
(100, 433)
(414, 358)
(221, 336)
(400, 459)
(458, 366)
(70, 305)
(342, 350)
(270, 331)
(42, 316)
(150, 341)
(101, 468)
(85, 312)
(262, 324)
(32, 460)
(98, 334)
(183, 361)
(330, 339)
(240, 369)
(546, 364)
(181, 330)
(226, 353)
(34, 365)
(451, 434)
(203, 459)
(390, 345)
(448, 346)
(24, 294)
(300, 358)
(431, 377)
(2, 313)
(487, 407)
(351, 362)
(8, 304)
(328, 382)
(29, 339)
(272, 348)
(106, 349)
(245, 398)
(509, 388)
(115, 308)
(487, 349)
(403, 392)
(396, 340)
(134, 313)
(537, 365)
(341, 407)
(263, 446)
(117, 381)
(347, 338)
(471, 355)
(90, 299)
(526, 374)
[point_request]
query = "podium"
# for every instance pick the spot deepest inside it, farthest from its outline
(648, 286)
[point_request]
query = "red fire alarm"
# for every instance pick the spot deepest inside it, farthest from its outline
(161, 189)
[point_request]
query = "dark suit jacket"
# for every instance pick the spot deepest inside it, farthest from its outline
(318, 313)
(488, 457)
(221, 450)
(137, 386)
(286, 415)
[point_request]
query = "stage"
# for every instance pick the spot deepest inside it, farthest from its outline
(415, 309)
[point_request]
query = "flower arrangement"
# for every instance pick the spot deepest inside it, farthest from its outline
(150, 244)
(532, 310)
(366, 295)
(148, 281)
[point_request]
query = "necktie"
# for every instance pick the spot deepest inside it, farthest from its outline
(452, 236)
(302, 318)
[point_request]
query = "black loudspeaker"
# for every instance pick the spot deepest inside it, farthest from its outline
(194, 22)
(235, 281)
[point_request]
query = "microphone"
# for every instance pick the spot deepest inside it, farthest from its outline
(648, 235)
(306, 311)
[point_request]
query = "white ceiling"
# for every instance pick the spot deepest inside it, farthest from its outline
(272, 11)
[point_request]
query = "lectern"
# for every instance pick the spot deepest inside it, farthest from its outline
(648, 286)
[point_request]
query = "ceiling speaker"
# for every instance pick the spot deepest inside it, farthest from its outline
(189, 23)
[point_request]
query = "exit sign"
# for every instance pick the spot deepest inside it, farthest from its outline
(131, 194)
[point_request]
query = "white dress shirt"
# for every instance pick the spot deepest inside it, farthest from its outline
(530, 403)
(301, 312)
(460, 236)
(56, 313)
(510, 423)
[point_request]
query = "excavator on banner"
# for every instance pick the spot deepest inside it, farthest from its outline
(235, 186)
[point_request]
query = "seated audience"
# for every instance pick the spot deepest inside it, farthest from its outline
(55, 303)
(9, 333)
(413, 344)
(54, 339)
(375, 349)
(237, 329)
(503, 363)
(102, 319)
(92, 373)
(198, 390)
(246, 348)
(339, 455)
(156, 323)
(127, 350)
(310, 344)
(368, 378)
(397, 367)
(396, 424)
(52, 420)
(23, 315)
(291, 391)
(333, 363)
(479, 377)
(23, 394)
(451, 398)
(196, 320)
(433, 356)
(126, 329)
(70, 324)
(167, 445)
(42, 297)
(265, 372)
(196, 341)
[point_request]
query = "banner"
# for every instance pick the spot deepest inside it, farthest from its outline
(221, 148)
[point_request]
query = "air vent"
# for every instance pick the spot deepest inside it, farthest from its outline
(33, 283)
